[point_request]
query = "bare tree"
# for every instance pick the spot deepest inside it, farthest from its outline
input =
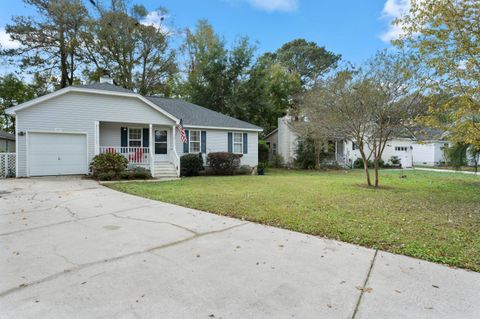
(366, 106)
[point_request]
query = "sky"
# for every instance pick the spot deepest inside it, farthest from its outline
(356, 29)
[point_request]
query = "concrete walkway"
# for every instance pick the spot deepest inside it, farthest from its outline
(444, 170)
(71, 248)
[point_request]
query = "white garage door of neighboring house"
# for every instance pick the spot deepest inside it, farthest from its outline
(57, 154)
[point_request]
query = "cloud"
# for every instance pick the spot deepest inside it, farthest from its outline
(391, 10)
(272, 5)
(6, 42)
(156, 19)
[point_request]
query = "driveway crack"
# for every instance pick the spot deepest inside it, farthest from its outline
(108, 260)
(355, 311)
(157, 222)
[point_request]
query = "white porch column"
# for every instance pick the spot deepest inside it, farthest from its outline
(174, 146)
(151, 144)
(97, 137)
(336, 150)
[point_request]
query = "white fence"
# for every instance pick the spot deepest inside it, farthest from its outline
(134, 155)
(7, 164)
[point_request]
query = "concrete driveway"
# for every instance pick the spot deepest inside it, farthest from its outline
(71, 248)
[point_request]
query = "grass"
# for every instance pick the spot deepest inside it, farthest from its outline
(427, 215)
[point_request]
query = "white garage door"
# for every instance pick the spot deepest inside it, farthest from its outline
(57, 154)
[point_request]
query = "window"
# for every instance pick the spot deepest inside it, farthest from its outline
(195, 143)
(161, 142)
(354, 146)
(274, 149)
(238, 142)
(134, 137)
(401, 148)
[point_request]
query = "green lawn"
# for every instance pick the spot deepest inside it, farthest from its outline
(428, 215)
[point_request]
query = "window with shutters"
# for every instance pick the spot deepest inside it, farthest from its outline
(134, 137)
(195, 141)
(238, 143)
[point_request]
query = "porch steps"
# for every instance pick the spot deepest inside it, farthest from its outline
(164, 170)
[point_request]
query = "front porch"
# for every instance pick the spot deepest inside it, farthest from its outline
(151, 146)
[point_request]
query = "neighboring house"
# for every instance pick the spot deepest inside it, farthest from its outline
(272, 142)
(7, 142)
(420, 147)
(60, 133)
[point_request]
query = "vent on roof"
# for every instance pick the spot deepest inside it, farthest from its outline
(105, 77)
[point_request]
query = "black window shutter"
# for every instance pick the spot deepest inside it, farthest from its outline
(204, 142)
(146, 137)
(123, 136)
(245, 143)
(230, 142)
(185, 145)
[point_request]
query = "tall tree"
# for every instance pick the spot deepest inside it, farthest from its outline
(215, 73)
(136, 53)
(307, 59)
(13, 91)
(445, 34)
(49, 40)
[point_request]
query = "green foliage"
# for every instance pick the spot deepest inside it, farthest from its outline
(108, 163)
(136, 173)
(307, 59)
(191, 164)
(50, 40)
(244, 170)
(263, 151)
(305, 154)
(107, 176)
(277, 161)
(358, 163)
(456, 155)
(223, 163)
(395, 160)
(443, 37)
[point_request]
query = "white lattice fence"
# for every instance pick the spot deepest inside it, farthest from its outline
(7, 164)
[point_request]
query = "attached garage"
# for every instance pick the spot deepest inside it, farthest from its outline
(56, 154)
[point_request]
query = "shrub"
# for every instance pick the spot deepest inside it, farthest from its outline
(140, 173)
(277, 161)
(126, 175)
(107, 176)
(395, 160)
(305, 154)
(191, 164)
(359, 163)
(263, 151)
(244, 170)
(108, 163)
(223, 163)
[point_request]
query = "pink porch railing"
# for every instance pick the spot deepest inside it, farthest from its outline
(134, 155)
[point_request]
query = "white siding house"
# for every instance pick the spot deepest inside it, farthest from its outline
(61, 132)
(425, 148)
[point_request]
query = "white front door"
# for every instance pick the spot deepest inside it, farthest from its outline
(160, 138)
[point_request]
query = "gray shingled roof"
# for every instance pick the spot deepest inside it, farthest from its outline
(7, 136)
(104, 87)
(191, 114)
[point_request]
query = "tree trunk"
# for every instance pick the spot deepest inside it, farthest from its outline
(365, 167)
(375, 166)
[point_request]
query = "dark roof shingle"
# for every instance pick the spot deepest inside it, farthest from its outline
(7, 136)
(196, 115)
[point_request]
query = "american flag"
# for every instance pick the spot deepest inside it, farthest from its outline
(182, 131)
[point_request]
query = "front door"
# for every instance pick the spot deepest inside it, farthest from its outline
(161, 145)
